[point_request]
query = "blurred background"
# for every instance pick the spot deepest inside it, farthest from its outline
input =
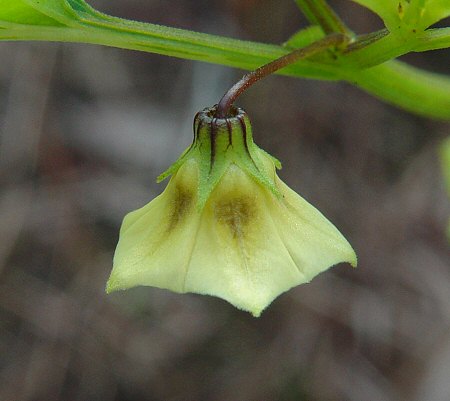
(85, 130)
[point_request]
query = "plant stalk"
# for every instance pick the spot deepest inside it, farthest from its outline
(251, 78)
(318, 12)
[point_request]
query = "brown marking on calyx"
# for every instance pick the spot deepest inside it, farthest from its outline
(181, 203)
(197, 128)
(244, 133)
(230, 132)
(236, 214)
(196, 124)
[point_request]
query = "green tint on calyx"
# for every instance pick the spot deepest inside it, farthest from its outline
(217, 144)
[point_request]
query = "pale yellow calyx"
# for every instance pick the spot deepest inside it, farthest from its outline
(247, 243)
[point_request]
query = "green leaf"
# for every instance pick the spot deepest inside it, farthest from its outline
(19, 12)
(55, 9)
(408, 15)
(387, 10)
(69, 13)
(304, 37)
(434, 11)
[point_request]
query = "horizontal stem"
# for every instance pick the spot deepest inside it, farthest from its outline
(421, 92)
(213, 49)
(407, 87)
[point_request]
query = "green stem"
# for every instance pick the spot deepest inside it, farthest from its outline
(392, 81)
(202, 47)
(433, 39)
(417, 91)
(428, 100)
(318, 12)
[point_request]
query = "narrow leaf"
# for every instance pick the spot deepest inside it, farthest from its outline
(20, 12)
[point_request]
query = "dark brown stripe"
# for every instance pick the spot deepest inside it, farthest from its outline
(230, 132)
(244, 131)
(197, 131)
(196, 124)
